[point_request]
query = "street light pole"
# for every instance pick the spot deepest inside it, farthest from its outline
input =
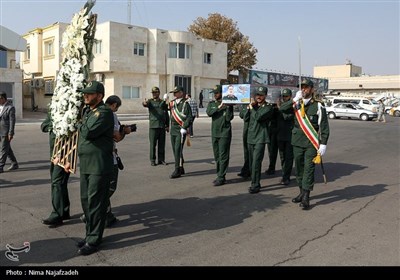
(299, 63)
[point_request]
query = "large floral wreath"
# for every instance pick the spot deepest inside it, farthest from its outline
(77, 44)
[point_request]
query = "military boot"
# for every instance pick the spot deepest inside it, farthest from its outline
(176, 173)
(298, 198)
(182, 170)
(305, 201)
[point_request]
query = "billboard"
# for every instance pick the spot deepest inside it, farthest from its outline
(257, 77)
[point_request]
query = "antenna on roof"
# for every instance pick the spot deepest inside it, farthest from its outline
(129, 11)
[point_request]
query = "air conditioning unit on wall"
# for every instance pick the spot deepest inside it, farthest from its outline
(100, 77)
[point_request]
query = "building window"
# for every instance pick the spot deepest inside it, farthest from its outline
(49, 47)
(185, 82)
(49, 87)
(207, 58)
(97, 47)
(129, 92)
(28, 52)
(138, 49)
(179, 50)
(3, 58)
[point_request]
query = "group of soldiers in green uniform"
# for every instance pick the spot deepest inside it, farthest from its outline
(96, 144)
(299, 133)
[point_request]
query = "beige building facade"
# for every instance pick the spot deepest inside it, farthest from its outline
(349, 80)
(129, 60)
(11, 76)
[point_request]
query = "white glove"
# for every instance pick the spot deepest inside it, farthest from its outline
(322, 149)
(183, 131)
(165, 97)
(299, 95)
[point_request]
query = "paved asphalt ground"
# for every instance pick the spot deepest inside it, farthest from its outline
(354, 220)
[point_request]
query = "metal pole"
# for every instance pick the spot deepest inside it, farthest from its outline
(129, 11)
(299, 63)
(166, 75)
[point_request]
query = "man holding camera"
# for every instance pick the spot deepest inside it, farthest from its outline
(158, 125)
(181, 118)
(114, 102)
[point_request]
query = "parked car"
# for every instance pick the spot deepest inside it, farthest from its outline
(350, 110)
(394, 111)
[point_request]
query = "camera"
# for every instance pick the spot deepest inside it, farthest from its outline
(133, 127)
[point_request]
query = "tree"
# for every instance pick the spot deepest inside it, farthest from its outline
(241, 53)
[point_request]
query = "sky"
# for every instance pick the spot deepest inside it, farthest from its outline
(320, 33)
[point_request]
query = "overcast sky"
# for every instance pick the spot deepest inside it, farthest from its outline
(331, 32)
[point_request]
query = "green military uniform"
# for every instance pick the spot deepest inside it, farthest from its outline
(181, 109)
(158, 123)
(221, 135)
(284, 135)
(95, 150)
(59, 181)
(230, 98)
(303, 150)
(245, 171)
(272, 124)
(257, 137)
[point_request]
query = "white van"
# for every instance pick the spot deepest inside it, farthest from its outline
(368, 104)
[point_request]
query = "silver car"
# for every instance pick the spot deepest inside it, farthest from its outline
(349, 110)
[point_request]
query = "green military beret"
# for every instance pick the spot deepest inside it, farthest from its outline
(261, 90)
(217, 89)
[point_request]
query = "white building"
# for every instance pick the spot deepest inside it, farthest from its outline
(348, 80)
(129, 60)
(11, 77)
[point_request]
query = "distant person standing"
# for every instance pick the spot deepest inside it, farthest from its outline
(158, 125)
(201, 99)
(195, 113)
(381, 112)
(221, 133)
(7, 125)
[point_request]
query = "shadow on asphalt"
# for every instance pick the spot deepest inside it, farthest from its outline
(167, 218)
(336, 170)
(348, 193)
(29, 183)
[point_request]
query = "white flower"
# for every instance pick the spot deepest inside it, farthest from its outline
(66, 102)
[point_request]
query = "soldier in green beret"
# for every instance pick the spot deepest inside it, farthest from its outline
(59, 183)
(284, 135)
(221, 133)
(257, 114)
(245, 170)
(309, 138)
(95, 151)
(158, 125)
(272, 124)
(181, 118)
